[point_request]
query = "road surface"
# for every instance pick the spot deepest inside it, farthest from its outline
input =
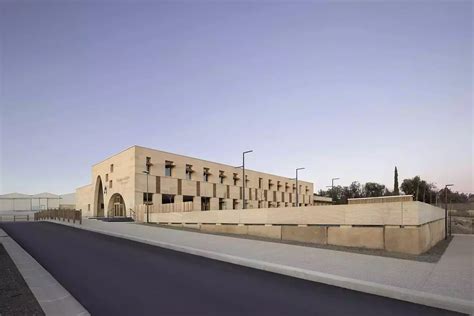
(114, 276)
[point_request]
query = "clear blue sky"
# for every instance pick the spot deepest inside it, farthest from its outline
(345, 89)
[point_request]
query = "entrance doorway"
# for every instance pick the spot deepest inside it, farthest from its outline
(99, 198)
(117, 206)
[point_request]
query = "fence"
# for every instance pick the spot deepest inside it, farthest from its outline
(60, 214)
(15, 218)
(167, 208)
(140, 211)
(461, 224)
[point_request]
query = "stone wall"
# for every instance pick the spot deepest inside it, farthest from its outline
(411, 240)
(405, 227)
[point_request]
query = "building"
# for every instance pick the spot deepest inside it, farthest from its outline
(171, 182)
(321, 200)
(35, 202)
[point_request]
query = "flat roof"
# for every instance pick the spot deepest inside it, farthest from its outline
(184, 156)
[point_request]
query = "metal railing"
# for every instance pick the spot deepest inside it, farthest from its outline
(15, 218)
(60, 214)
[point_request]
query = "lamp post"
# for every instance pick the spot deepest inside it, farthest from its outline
(297, 191)
(446, 210)
(244, 206)
(147, 210)
(332, 186)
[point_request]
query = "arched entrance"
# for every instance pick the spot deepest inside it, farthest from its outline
(99, 198)
(116, 207)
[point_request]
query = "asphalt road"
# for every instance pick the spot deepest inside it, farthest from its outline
(114, 276)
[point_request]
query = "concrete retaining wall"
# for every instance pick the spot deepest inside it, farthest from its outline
(410, 239)
(371, 214)
(360, 237)
(406, 227)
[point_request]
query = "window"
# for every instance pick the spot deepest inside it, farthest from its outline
(205, 174)
(147, 198)
(88, 207)
(221, 204)
(111, 168)
(259, 204)
(221, 176)
(278, 185)
(205, 203)
(236, 178)
(148, 164)
(106, 177)
(235, 204)
(286, 186)
(260, 180)
(189, 172)
(167, 199)
(270, 184)
(110, 184)
(168, 168)
(188, 198)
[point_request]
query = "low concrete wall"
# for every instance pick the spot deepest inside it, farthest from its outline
(225, 229)
(414, 239)
(373, 226)
(372, 214)
(360, 237)
(312, 234)
(410, 239)
(381, 199)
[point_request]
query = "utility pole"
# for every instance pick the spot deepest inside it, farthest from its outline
(446, 210)
(297, 189)
(244, 206)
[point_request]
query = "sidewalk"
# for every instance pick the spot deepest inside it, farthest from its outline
(447, 284)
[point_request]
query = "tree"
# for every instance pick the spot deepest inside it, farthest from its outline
(411, 186)
(420, 189)
(396, 191)
(355, 190)
(372, 189)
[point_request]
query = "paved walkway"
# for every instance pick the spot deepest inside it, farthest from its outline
(446, 284)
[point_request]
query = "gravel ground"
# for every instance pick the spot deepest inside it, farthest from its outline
(462, 224)
(433, 255)
(15, 295)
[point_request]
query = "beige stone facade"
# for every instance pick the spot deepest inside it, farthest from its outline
(180, 183)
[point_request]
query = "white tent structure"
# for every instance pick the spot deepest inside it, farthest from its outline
(15, 202)
(25, 202)
(46, 201)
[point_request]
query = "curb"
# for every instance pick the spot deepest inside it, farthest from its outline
(413, 296)
(53, 298)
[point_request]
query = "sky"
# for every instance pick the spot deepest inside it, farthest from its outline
(346, 89)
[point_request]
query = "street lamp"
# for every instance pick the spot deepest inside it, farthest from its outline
(446, 210)
(147, 210)
(244, 206)
(297, 193)
(332, 186)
